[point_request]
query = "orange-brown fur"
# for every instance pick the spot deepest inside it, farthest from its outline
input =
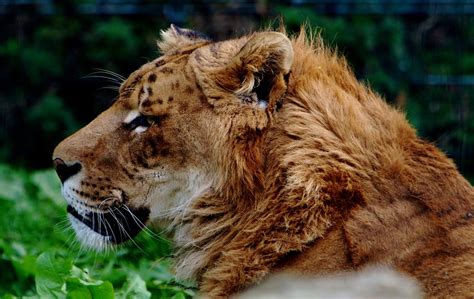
(326, 178)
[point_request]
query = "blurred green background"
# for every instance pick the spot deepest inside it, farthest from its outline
(418, 54)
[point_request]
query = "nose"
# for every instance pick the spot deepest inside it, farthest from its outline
(65, 171)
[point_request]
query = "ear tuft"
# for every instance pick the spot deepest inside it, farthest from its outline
(260, 68)
(176, 38)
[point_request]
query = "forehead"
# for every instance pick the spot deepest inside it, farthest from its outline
(160, 86)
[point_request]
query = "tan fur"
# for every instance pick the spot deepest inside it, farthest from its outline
(322, 176)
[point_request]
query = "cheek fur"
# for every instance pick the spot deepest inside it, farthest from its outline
(150, 150)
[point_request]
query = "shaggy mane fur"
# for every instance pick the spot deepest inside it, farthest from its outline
(338, 164)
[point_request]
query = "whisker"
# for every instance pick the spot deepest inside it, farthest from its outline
(125, 231)
(117, 75)
(114, 88)
(111, 230)
(62, 226)
(71, 241)
(102, 221)
(126, 221)
(112, 80)
(93, 221)
(145, 228)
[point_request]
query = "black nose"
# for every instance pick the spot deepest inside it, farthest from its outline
(65, 171)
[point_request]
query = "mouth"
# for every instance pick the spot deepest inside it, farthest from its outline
(118, 225)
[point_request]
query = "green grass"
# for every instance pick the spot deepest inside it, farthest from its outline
(40, 258)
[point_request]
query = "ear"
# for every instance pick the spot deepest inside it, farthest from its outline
(175, 38)
(260, 68)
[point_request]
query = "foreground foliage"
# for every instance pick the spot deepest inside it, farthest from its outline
(39, 256)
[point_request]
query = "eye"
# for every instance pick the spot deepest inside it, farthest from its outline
(142, 122)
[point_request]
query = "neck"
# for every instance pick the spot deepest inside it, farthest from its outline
(334, 145)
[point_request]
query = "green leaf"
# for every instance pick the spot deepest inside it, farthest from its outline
(103, 291)
(134, 287)
(179, 296)
(11, 184)
(48, 185)
(81, 283)
(25, 266)
(51, 275)
(78, 291)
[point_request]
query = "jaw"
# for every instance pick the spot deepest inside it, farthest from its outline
(173, 201)
(104, 223)
(165, 204)
(102, 230)
(89, 238)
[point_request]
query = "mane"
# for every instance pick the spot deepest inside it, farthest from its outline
(332, 138)
(215, 218)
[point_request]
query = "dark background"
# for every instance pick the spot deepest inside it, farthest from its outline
(418, 54)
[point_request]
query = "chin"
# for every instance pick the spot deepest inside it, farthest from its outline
(104, 230)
